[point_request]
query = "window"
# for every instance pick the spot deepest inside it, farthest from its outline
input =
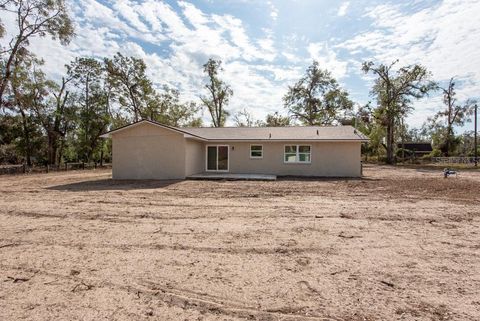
(291, 154)
(256, 151)
(297, 154)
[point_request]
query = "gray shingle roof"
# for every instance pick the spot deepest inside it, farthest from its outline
(278, 133)
(293, 133)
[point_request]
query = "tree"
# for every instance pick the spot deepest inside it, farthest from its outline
(394, 91)
(47, 103)
(2, 27)
(55, 112)
(173, 112)
(130, 85)
(7, 129)
(21, 100)
(454, 114)
(317, 99)
(277, 120)
(244, 118)
(92, 98)
(34, 18)
(29, 89)
(364, 121)
(467, 145)
(219, 93)
(9, 133)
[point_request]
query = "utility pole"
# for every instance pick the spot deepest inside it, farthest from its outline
(403, 142)
(475, 143)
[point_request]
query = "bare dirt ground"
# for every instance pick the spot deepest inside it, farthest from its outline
(399, 244)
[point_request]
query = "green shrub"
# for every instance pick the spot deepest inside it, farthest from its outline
(427, 157)
(435, 153)
(8, 154)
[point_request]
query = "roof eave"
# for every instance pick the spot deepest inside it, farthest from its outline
(190, 135)
(175, 129)
(215, 140)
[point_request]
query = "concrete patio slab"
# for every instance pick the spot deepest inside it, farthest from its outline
(233, 177)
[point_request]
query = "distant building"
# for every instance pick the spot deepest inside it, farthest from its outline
(416, 149)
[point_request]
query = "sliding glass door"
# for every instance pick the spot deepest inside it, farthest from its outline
(217, 158)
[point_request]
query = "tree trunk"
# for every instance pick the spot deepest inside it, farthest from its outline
(52, 148)
(449, 94)
(49, 148)
(134, 103)
(390, 141)
(26, 136)
(447, 141)
(60, 151)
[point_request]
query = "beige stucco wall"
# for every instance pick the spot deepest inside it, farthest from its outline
(329, 159)
(194, 157)
(146, 151)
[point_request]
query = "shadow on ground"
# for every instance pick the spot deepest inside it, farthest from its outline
(126, 185)
(111, 184)
(325, 179)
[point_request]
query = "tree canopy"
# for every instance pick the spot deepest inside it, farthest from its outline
(395, 91)
(277, 120)
(454, 113)
(317, 99)
(219, 93)
(130, 86)
(34, 18)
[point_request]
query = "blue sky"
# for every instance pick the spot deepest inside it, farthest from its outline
(266, 45)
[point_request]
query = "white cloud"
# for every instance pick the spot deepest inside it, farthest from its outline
(327, 59)
(288, 75)
(175, 40)
(177, 44)
(129, 11)
(342, 10)
(445, 38)
(253, 91)
(273, 10)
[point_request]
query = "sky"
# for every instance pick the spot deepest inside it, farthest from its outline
(265, 46)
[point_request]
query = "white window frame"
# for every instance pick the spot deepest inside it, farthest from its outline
(297, 154)
(256, 157)
(206, 158)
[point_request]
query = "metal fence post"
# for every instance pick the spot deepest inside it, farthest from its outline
(475, 144)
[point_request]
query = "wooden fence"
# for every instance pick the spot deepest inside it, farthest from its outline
(24, 169)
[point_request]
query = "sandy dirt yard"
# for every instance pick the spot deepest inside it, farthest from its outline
(399, 244)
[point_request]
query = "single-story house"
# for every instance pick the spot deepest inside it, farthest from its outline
(150, 150)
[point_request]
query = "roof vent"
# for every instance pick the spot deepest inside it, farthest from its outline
(317, 131)
(270, 136)
(355, 131)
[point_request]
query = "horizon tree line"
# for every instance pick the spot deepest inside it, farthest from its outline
(47, 121)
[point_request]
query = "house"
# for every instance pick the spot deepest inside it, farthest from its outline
(150, 150)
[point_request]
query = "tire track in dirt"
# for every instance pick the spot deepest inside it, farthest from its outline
(445, 218)
(284, 250)
(134, 218)
(190, 300)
